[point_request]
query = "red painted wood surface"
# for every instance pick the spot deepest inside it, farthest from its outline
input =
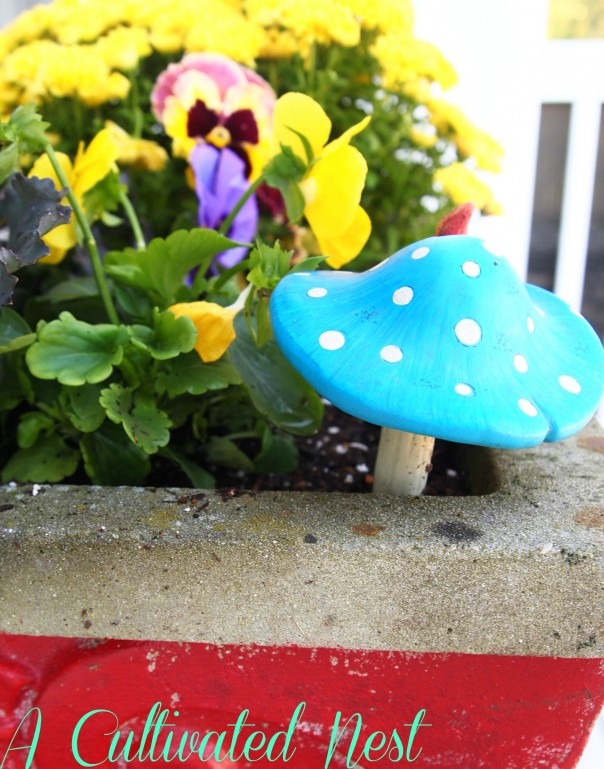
(484, 711)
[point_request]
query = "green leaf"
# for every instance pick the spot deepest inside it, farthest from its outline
(226, 453)
(50, 460)
(84, 409)
(277, 455)
(309, 264)
(9, 161)
(189, 374)
(161, 269)
(169, 337)
(104, 196)
(111, 459)
(74, 352)
(275, 387)
(74, 288)
(199, 477)
(27, 127)
(284, 172)
(16, 385)
(14, 331)
(31, 208)
(31, 425)
(145, 424)
(268, 265)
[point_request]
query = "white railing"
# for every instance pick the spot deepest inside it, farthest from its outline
(572, 75)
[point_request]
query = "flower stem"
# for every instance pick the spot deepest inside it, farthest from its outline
(226, 225)
(134, 222)
(89, 241)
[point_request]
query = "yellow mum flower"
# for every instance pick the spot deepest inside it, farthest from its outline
(90, 166)
(214, 324)
(333, 184)
(462, 185)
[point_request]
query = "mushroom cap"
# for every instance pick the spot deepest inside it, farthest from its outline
(443, 339)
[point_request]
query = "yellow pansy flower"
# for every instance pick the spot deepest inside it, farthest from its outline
(139, 153)
(89, 167)
(334, 180)
(215, 325)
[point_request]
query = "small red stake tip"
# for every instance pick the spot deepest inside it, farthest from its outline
(456, 223)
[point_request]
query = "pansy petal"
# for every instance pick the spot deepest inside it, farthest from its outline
(193, 85)
(344, 248)
(43, 169)
(347, 136)
(337, 182)
(302, 114)
(214, 324)
(95, 162)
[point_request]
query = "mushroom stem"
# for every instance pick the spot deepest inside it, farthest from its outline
(403, 463)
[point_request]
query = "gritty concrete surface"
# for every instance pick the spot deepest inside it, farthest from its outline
(516, 571)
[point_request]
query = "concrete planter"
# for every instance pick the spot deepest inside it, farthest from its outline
(486, 612)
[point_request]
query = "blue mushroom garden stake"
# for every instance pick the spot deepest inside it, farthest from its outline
(441, 340)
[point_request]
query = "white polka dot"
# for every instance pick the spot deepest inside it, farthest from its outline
(569, 384)
(403, 295)
(391, 353)
(332, 340)
(468, 332)
(492, 249)
(419, 253)
(529, 408)
(317, 293)
(520, 364)
(530, 324)
(471, 269)
(464, 389)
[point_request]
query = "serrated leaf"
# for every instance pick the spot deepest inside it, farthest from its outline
(226, 453)
(111, 459)
(199, 477)
(7, 281)
(28, 128)
(275, 387)
(161, 269)
(169, 337)
(189, 374)
(31, 207)
(85, 411)
(50, 460)
(14, 331)
(145, 424)
(269, 265)
(74, 352)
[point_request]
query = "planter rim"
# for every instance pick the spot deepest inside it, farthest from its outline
(516, 572)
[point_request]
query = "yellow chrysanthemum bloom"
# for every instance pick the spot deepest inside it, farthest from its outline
(334, 181)
(215, 325)
(405, 59)
(461, 184)
(139, 153)
(90, 166)
(470, 140)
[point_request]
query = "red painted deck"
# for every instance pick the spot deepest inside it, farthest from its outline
(433, 710)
